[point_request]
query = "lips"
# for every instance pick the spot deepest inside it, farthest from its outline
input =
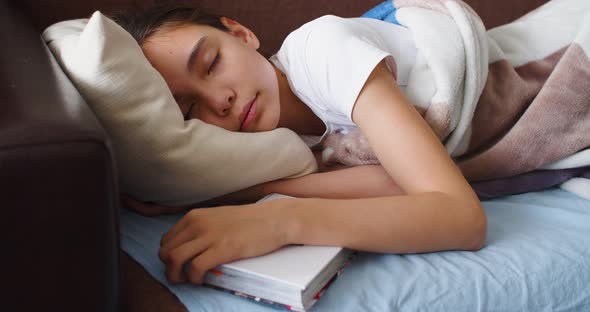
(248, 114)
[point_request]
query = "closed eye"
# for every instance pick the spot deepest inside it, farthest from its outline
(214, 63)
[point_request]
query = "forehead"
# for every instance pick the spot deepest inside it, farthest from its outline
(176, 37)
(171, 46)
(167, 50)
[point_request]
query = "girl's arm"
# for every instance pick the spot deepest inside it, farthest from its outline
(342, 183)
(439, 210)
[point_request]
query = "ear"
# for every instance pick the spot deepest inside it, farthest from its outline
(240, 31)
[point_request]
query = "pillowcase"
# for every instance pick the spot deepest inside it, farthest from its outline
(160, 156)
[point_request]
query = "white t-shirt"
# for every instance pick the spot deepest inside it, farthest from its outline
(328, 60)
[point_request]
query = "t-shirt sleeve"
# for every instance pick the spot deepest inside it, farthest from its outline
(338, 57)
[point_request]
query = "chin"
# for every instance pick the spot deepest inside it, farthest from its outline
(265, 127)
(274, 124)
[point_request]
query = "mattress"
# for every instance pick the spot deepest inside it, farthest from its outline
(536, 258)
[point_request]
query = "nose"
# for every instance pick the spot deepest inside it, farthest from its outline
(220, 101)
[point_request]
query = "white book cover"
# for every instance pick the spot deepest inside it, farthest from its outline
(293, 265)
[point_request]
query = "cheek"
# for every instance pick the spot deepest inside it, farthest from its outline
(254, 67)
(252, 71)
(209, 118)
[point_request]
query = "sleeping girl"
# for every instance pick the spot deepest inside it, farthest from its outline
(332, 74)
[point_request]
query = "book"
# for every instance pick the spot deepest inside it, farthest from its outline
(293, 277)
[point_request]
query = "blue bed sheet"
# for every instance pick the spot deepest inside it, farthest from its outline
(536, 258)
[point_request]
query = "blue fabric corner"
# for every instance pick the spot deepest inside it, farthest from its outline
(384, 12)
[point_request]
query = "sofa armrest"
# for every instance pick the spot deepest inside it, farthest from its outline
(58, 184)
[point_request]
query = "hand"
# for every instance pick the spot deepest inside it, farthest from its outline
(207, 237)
(149, 209)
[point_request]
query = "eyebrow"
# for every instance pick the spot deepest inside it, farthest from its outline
(195, 53)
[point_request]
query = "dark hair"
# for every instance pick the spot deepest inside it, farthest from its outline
(143, 22)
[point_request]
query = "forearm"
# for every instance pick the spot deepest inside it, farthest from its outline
(398, 224)
(354, 182)
(245, 196)
(347, 183)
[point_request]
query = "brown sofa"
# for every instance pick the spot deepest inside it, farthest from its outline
(57, 174)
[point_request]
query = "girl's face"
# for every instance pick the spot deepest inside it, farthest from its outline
(218, 77)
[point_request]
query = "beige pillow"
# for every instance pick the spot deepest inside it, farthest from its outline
(161, 157)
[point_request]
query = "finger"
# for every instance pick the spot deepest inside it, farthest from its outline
(204, 262)
(141, 207)
(180, 226)
(127, 201)
(176, 241)
(181, 255)
(123, 197)
(150, 209)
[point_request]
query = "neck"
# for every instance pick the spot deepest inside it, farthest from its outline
(295, 115)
